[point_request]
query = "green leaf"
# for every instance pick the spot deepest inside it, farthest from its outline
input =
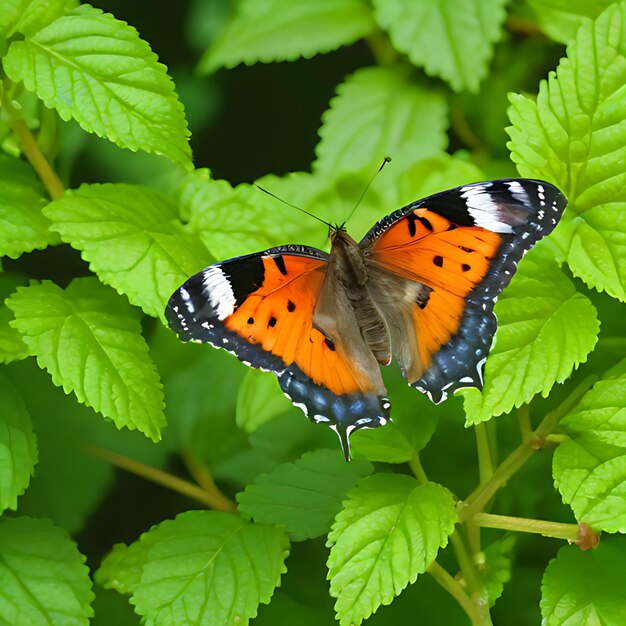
(22, 226)
(28, 16)
(89, 340)
(12, 348)
(95, 69)
(561, 19)
(389, 532)
(496, 570)
(111, 608)
(206, 567)
(274, 30)
(259, 400)
(132, 239)
(590, 469)
(121, 569)
(535, 346)
(573, 136)
(381, 112)
(18, 446)
(452, 39)
(586, 588)
(43, 577)
(303, 496)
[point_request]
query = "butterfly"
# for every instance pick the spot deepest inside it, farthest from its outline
(419, 288)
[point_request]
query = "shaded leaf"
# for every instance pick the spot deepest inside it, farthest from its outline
(12, 348)
(28, 16)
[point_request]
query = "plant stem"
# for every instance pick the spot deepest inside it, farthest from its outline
(520, 524)
(163, 478)
(454, 588)
(418, 471)
(485, 461)
(525, 425)
(382, 50)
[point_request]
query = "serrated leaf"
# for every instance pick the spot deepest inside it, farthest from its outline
(43, 577)
(12, 348)
(573, 136)
(90, 342)
(389, 531)
(561, 19)
(590, 469)
(96, 69)
(304, 496)
(18, 446)
(22, 226)
(275, 30)
(132, 239)
(586, 588)
(496, 570)
(121, 568)
(206, 567)
(452, 39)
(259, 400)
(380, 112)
(534, 346)
(28, 16)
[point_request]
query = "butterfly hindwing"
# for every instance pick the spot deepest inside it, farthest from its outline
(463, 245)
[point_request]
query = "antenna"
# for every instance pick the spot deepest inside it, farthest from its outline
(293, 206)
(380, 169)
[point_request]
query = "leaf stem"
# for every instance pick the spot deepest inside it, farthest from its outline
(454, 588)
(418, 471)
(525, 425)
(485, 461)
(382, 50)
(164, 479)
(520, 524)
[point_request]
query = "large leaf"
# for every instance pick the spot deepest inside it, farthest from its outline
(573, 135)
(586, 588)
(381, 112)
(90, 342)
(12, 348)
(22, 226)
(389, 532)
(535, 346)
(304, 496)
(18, 446)
(279, 30)
(28, 16)
(590, 469)
(452, 39)
(132, 239)
(206, 567)
(43, 578)
(95, 69)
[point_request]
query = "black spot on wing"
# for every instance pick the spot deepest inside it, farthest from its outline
(280, 264)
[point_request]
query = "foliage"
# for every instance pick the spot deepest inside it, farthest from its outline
(102, 216)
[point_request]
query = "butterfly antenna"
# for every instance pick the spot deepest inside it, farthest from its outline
(293, 206)
(380, 169)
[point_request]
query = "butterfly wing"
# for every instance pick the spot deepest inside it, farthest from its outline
(462, 247)
(261, 307)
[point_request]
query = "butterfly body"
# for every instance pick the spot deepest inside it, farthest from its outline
(419, 289)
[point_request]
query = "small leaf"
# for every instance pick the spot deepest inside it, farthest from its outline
(381, 112)
(303, 496)
(95, 69)
(574, 137)
(12, 348)
(206, 567)
(43, 577)
(452, 39)
(22, 226)
(497, 568)
(259, 400)
(274, 30)
(586, 588)
(18, 446)
(28, 16)
(121, 569)
(389, 532)
(90, 342)
(534, 346)
(132, 239)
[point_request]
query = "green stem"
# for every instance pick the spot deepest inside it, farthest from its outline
(525, 425)
(454, 588)
(520, 524)
(485, 461)
(418, 471)
(382, 50)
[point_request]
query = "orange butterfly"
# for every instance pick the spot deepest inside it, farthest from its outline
(420, 287)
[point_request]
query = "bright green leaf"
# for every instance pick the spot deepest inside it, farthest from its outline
(121, 569)
(22, 226)
(259, 399)
(586, 588)
(43, 577)
(28, 16)
(452, 39)
(18, 446)
(95, 69)
(535, 346)
(389, 532)
(303, 496)
(206, 567)
(12, 348)
(275, 30)
(381, 112)
(574, 136)
(90, 342)
(497, 568)
(132, 239)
